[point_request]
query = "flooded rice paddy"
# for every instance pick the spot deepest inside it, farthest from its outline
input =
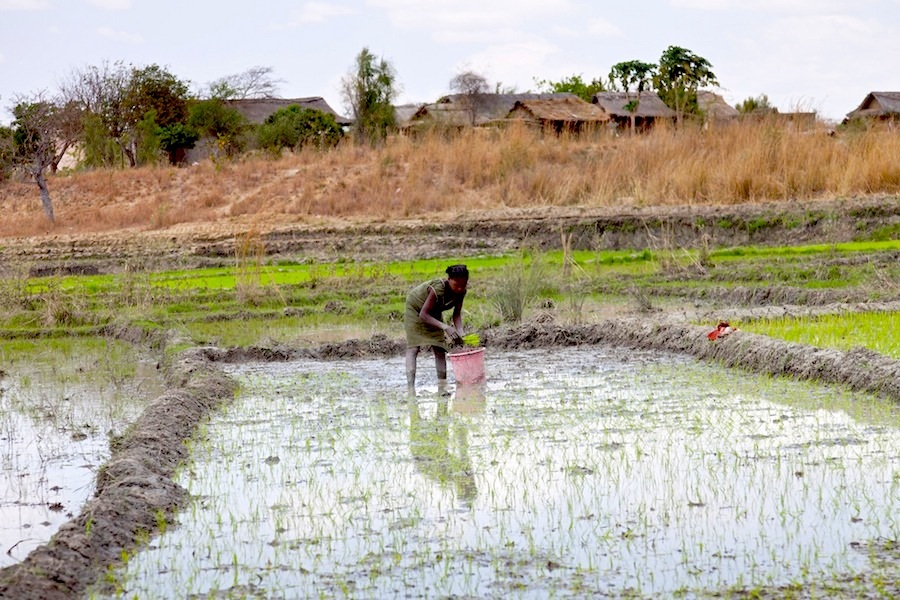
(570, 473)
(57, 413)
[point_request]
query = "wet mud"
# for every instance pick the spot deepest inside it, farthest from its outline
(135, 493)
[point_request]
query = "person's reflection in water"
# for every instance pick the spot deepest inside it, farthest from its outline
(430, 445)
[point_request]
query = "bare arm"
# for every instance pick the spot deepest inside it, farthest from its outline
(457, 315)
(427, 307)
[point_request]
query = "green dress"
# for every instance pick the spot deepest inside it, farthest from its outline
(419, 333)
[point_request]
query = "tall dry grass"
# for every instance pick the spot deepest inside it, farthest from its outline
(476, 169)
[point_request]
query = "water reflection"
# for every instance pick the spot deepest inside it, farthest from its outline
(469, 399)
(440, 448)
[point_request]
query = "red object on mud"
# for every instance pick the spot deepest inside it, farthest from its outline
(721, 330)
(468, 366)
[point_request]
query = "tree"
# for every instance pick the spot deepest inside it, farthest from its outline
(471, 87)
(681, 73)
(153, 88)
(101, 91)
(42, 132)
(7, 151)
(573, 84)
(632, 75)
(295, 127)
(255, 82)
(213, 119)
(122, 96)
(751, 104)
(174, 139)
(369, 90)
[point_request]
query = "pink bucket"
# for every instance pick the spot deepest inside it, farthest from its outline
(468, 366)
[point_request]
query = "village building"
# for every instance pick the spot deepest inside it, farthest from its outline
(878, 106)
(257, 110)
(715, 109)
(571, 115)
(471, 110)
(647, 112)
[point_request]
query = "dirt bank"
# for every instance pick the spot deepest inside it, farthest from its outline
(488, 232)
(134, 488)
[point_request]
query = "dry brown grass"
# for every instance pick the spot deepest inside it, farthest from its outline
(747, 162)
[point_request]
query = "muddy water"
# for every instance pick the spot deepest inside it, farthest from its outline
(572, 472)
(55, 421)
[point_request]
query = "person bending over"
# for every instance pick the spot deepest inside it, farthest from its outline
(423, 320)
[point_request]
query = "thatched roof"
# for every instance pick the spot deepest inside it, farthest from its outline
(715, 107)
(878, 105)
(458, 110)
(403, 113)
(559, 110)
(650, 106)
(257, 110)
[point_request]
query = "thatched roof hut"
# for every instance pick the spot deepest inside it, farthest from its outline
(403, 113)
(648, 111)
(715, 107)
(466, 110)
(560, 114)
(882, 106)
(257, 110)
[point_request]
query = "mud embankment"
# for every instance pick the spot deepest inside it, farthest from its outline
(135, 491)
(859, 369)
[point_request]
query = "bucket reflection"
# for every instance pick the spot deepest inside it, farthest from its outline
(469, 398)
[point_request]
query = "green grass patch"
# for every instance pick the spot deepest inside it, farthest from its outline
(873, 330)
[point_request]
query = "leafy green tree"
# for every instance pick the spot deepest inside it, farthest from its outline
(573, 84)
(97, 148)
(632, 75)
(121, 96)
(294, 127)
(752, 104)
(369, 90)
(146, 135)
(680, 74)
(175, 139)
(7, 151)
(152, 88)
(42, 133)
(225, 125)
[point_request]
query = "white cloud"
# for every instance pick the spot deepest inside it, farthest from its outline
(112, 4)
(318, 12)
(119, 36)
(24, 5)
(603, 28)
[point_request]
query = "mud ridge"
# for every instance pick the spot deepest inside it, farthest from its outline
(376, 346)
(859, 369)
(134, 489)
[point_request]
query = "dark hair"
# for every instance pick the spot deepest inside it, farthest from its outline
(457, 272)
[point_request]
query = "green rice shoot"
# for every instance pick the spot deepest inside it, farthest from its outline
(471, 340)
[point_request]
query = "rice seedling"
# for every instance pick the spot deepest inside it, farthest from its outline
(583, 471)
(872, 330)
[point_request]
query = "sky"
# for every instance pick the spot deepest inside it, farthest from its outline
(822, 55)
